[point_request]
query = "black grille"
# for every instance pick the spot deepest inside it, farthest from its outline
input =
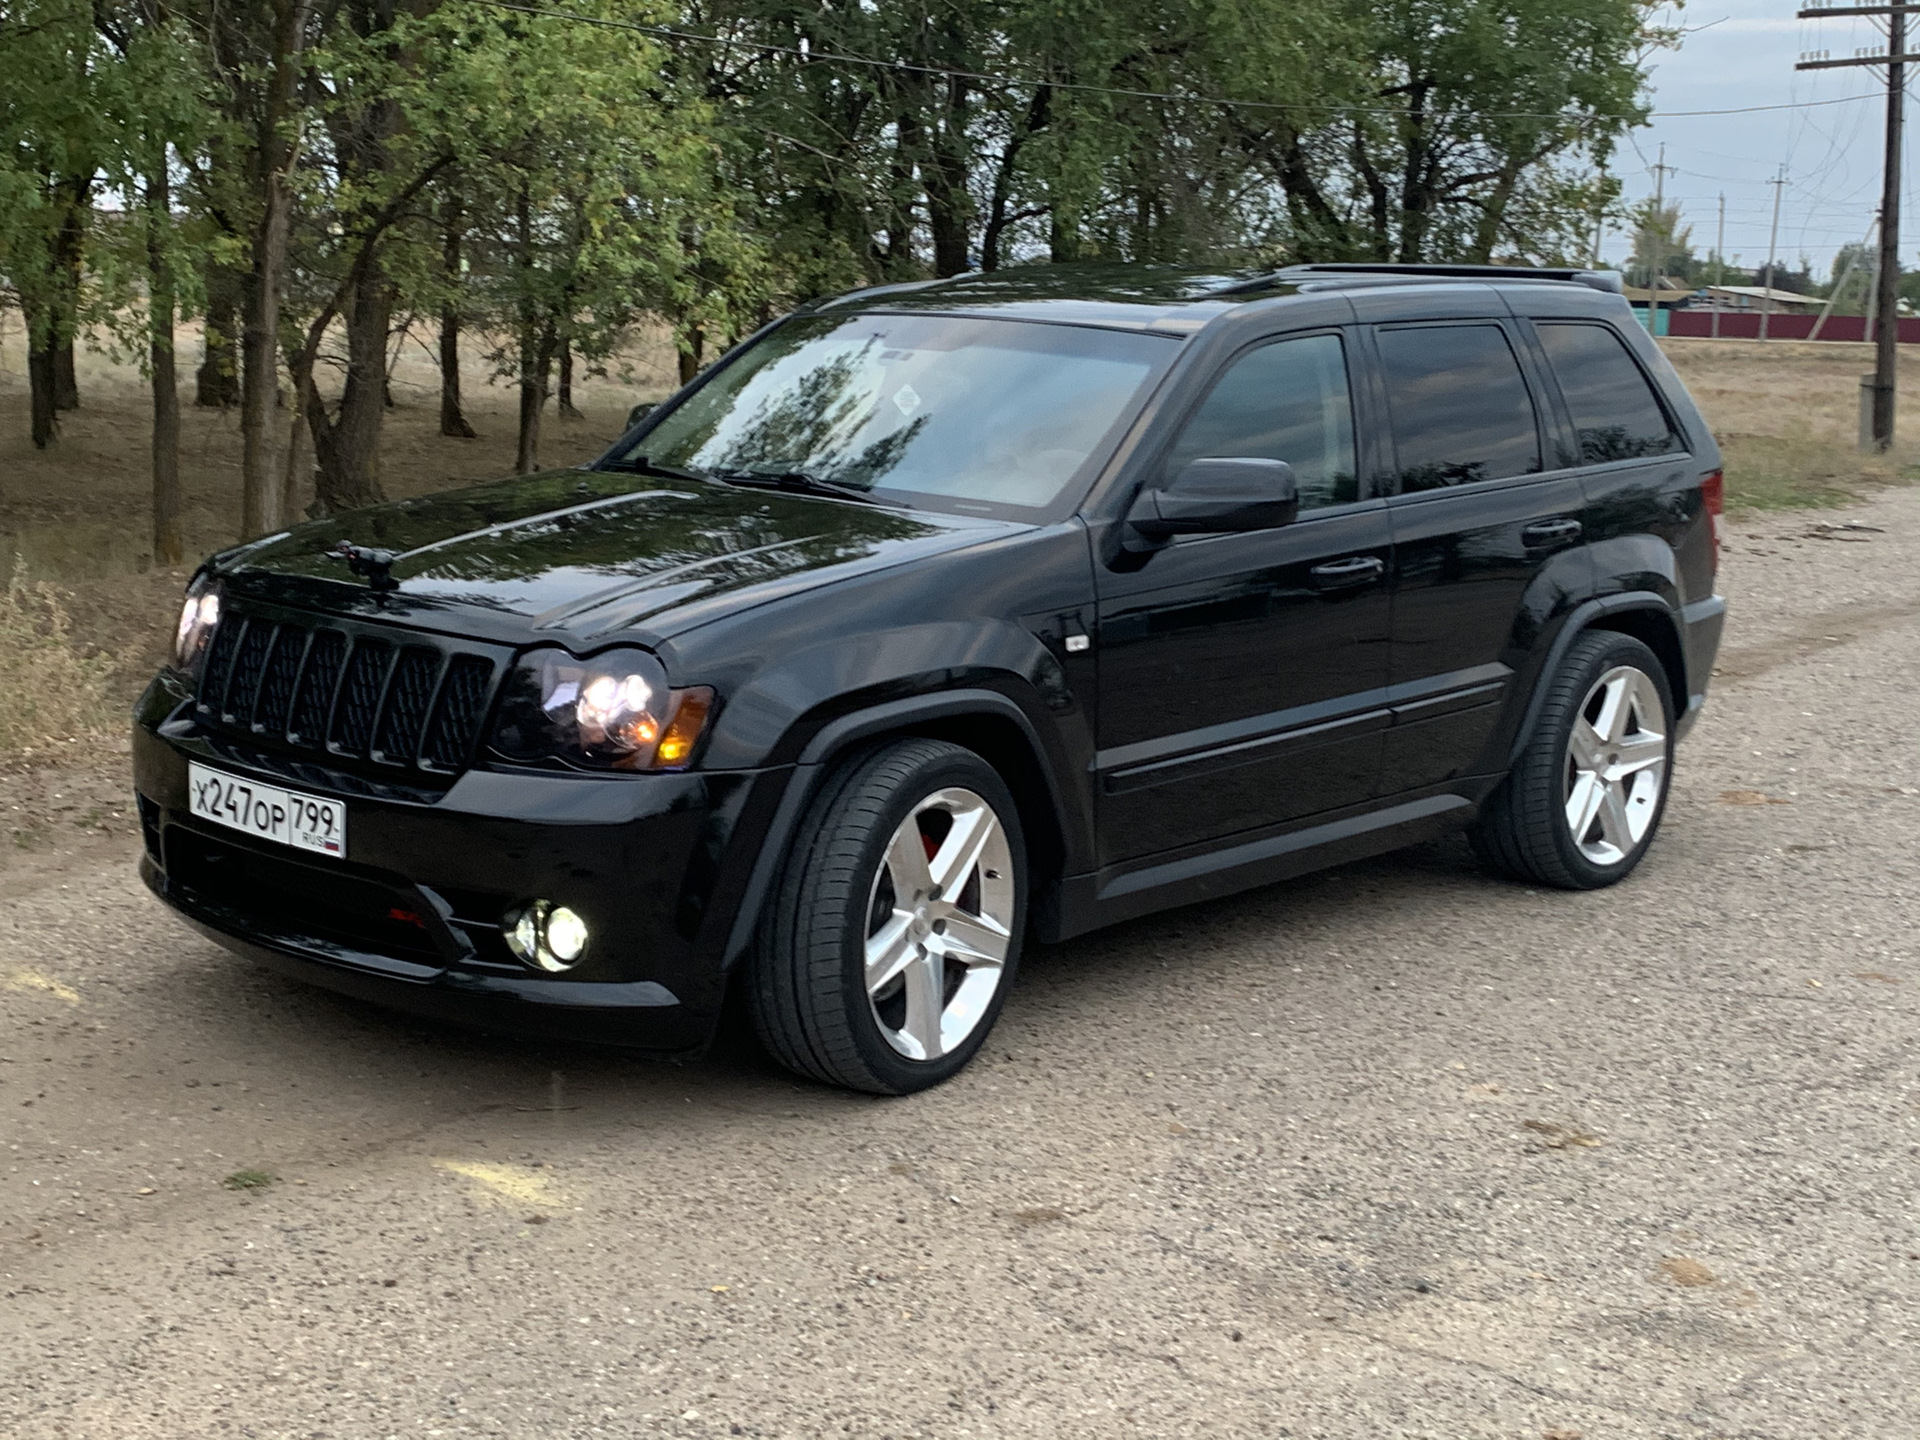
(386, 706)
(308, 902)
(359, 701)
(283, 668)
(249, 665)
(313, 701)
(463, 704)
(405, 713)
(213, 680)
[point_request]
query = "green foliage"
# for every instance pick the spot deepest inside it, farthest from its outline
(551, 181)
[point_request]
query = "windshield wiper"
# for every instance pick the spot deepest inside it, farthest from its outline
(641, 465)
(797, 482)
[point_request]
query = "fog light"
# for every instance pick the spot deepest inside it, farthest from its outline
(566, 935)
(546, 936)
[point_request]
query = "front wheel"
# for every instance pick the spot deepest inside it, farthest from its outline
(894, 933)
(1585, 797)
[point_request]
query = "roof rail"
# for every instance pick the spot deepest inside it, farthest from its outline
(1382, 273)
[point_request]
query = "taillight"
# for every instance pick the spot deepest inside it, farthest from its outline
(1713, 490)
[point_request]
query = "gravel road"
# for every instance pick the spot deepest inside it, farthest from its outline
(1396, 1150)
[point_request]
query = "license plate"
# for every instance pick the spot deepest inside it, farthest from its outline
(306, 822)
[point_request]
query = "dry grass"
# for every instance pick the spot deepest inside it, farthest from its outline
(1787, 416)
(54, 690)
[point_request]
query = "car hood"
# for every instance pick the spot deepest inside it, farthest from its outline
(578, 555)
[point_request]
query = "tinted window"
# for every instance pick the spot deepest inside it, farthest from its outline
(1614, 410)
(961, 414)
(1460, 409)
(1286, 401)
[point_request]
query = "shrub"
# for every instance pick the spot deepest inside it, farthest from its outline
(52, 690)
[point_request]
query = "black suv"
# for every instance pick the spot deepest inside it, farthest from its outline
(940, 614)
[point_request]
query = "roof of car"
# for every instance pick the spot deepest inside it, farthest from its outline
(1175, 298)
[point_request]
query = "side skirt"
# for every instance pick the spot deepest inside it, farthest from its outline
(1123, 892)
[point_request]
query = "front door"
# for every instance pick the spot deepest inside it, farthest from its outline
(1242, 677)
(1487, 540)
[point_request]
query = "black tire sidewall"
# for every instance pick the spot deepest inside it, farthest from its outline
(1592, 656)
(951, 767)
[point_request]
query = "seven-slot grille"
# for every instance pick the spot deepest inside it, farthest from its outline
(401, 701)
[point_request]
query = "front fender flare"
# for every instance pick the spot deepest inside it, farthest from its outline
(832, 741)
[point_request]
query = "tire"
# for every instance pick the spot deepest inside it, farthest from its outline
(1620, 779)
(861, 882)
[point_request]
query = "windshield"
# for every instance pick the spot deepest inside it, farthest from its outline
(985, 416)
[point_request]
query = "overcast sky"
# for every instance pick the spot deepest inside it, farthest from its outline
(1740, 53)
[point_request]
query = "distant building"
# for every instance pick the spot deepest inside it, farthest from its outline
(1672, 294)
(1739, 298)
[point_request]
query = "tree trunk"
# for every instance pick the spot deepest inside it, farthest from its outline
(692, 353)
(40, 374)
(263, 489)
(565, 395)
(216, 383)
(348, 472)
(943, 175)
(453, 420)
(536, 344)
(536, 363)
(69, 248)
(66, 388)
(169, 545)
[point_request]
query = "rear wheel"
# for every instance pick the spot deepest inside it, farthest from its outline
(1583, 801)
(895, 930)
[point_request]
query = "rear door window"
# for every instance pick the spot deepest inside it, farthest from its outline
(1460, 406)
(1289, 401)
(1616, 415)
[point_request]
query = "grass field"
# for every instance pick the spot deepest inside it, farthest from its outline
(1787, 416)
(84, 614)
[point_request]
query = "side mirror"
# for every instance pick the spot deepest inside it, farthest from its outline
(639, 413)
(1216, 495)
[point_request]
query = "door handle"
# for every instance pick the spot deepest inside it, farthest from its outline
(1345, 574)
(1542, 533)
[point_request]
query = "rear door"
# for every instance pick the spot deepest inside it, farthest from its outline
(1243, 677)
(1638, 478)
(1487, 529)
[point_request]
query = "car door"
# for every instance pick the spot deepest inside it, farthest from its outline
(1486, 528)
(1636, 471)
(1242, 677)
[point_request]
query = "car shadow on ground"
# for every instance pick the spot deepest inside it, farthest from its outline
(355, 1053)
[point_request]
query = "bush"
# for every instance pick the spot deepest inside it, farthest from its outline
(52, 690)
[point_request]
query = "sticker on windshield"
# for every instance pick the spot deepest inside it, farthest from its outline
(907, 398)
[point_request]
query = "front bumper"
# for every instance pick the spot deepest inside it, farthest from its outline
(656, 864)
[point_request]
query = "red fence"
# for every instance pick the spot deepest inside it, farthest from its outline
(1735, 326)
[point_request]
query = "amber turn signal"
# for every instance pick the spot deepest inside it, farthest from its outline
(675, 749)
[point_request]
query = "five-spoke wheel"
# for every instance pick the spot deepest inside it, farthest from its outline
(887, 951)
(1583, 800)
(939, 924)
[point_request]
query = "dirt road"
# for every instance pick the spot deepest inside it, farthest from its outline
(1398, 1150)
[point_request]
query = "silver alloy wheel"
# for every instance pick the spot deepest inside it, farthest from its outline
(1616, 765)
(939, 924)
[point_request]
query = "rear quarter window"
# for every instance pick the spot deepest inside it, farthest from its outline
(1616, 415)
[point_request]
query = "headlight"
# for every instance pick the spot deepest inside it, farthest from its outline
(199, 614)
(611, 712)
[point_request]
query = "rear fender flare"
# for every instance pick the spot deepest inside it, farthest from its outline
(1581, 619)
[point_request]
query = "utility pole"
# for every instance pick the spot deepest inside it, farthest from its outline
(1779, 183)
(1719, 262)
(1881, 389)
(1656, 233)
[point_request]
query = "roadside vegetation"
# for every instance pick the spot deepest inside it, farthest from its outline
(56, 688)
(1787, 418)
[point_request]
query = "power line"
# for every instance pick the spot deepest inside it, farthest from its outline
(668, 32)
